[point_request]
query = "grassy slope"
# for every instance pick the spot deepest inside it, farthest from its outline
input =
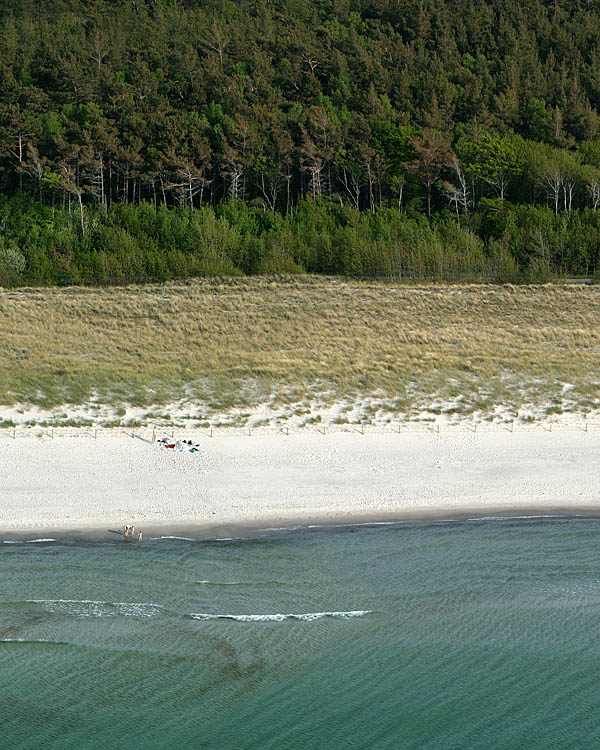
(227, 342)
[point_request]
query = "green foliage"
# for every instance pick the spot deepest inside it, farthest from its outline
(158, 140)
(494, 159)
(536, 121)
(128, 244)
(590, 152)
(12, 261)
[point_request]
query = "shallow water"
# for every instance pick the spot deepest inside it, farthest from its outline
(441, 635)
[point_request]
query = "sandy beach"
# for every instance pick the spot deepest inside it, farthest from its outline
(236, 481)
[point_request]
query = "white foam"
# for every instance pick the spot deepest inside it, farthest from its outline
(33, 541)
(94, 608)
(181, 538)
(223, 583)
(231, 539)
(306, 616)
(193, 539)
(30, 640)
(26, 541)
(285, 528)
(508, 518)
(351, 525)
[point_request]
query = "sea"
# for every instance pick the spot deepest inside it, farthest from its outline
(472, 633)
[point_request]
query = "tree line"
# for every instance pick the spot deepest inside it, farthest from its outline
(458, 119)
(131, 243)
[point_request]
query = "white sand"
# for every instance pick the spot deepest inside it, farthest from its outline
(78, 483)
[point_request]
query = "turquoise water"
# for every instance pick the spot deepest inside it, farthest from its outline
(442, 635)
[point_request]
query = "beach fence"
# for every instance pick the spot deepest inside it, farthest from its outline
(150, 433)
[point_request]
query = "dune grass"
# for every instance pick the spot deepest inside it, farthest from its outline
(237, 342)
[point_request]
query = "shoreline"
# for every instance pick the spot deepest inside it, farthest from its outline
(255, 531)
(81, 488)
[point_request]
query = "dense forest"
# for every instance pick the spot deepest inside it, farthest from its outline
(153, 139)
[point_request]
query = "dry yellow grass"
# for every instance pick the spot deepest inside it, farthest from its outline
(225, 340)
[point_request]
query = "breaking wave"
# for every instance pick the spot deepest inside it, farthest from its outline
(513, 518)
(27, 541)
(239, 583)
(34, 541)
(179, 538)
(34, 640)
(223, 583)
(173, 538)
(93, 608)
(306, 616)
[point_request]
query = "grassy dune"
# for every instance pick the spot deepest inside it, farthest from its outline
(235, 342)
